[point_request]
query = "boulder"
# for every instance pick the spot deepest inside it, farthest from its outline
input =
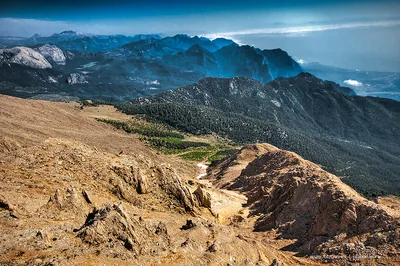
(203, 197)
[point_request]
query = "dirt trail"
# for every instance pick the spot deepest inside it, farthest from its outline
(224, 203)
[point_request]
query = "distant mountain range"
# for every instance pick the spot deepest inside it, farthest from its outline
(118, 68)
(77, 41)
(126, 67)
(351, 136)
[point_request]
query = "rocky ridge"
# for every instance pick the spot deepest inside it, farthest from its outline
(301, 201)
(52, 53)
(23, 56)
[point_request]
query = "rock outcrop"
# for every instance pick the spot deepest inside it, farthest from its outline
(23, 56)
(223, 173)
(52, 53)
(203, 197)
(76, 78)
(112, 229)
(303, 202)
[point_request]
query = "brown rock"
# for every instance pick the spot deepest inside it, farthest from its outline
(213, 247)
(304, 202)
(142, 185)
(203, 197)
(189, 224)
(86, 196)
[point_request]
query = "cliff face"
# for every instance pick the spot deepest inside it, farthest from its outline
(303, 202)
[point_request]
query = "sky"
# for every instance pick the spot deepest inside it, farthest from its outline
(345, 33)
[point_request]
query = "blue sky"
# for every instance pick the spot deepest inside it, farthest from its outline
(313, 25)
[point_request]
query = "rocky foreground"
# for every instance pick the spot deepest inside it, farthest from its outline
(77, 192)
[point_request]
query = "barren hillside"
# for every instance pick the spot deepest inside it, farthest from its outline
(75, 191)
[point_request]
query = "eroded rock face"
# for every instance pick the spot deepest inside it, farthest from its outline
(76, 78)
(203, 197)
(170, 183)
(111, 228)
(23, 56)
(304, 202)
(52, 53)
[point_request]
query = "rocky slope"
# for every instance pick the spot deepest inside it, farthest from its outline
(52, 53)
(303, 202)
(76, 191)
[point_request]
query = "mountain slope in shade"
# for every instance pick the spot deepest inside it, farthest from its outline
(303, 202)
(222, 42)
(196, 58)
(243, 61)
(303, 102)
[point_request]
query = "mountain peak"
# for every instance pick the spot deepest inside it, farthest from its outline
(221, 42)
(181, 36)
(69, 32)
(36, 36)
(307, 75)
(263, 172)
(196, 48)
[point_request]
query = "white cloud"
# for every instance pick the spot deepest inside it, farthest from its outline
(300, 30)
(353, 82)
(301, 61)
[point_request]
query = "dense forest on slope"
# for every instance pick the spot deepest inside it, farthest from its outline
(355, 138)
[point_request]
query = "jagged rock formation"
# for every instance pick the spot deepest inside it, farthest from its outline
(203, 197)
(62, 203)
(303, 202)
(77, 171)
(23, 56)
(111, 228)
(52, 53)
(76, 78)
